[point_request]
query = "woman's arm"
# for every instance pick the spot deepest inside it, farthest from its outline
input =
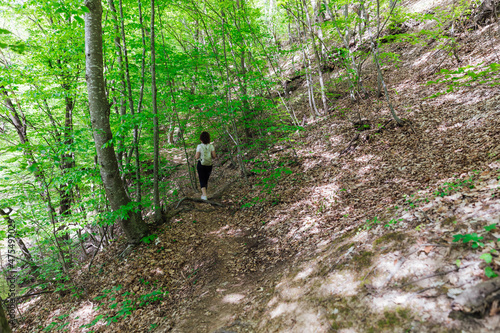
(213, 153)
(197, 155)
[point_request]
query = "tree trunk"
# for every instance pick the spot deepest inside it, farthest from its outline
(156, 133)
(130, 220)
(138, 194)
(4, 324)
(119, 59)
(317, 57)
(131, 100)
(191, 168)
(310, 91)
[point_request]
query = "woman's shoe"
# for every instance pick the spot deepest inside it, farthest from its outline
(203, 197)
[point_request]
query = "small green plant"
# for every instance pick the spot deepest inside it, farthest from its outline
(476, 242)
(466, 76)
(409, 201)
(252, 202)
(126, 309)
(488, 271)
(392, 223)
(149, 239)
(154, 296)
(93, 322)
(474, 238)
(267, 185)
(371, 223)
(448, 188)
(419, 227)
(193, 273)
(57, 326)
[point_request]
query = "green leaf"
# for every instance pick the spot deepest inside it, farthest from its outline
(486, 257)
(490, 227)
(488, 271)
(79, 19)
(32, 168)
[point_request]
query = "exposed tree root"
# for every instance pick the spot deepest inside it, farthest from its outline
(477, 299)
(198, 200)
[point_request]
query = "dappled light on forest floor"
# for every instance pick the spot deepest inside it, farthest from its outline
(233, 298)
(225, 231)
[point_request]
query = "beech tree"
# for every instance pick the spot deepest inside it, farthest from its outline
(130, 219)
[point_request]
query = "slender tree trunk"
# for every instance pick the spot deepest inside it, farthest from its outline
(156, 162)
(131, 99)
(310, 92)
(67, 163)
(119, 59)
(247, 118)
(131, 221)
(191, 170)
(235, 138)
(317, 57)
(345, 39)
(24, 249)
(381, 79)
(138, 194)
(277, 71)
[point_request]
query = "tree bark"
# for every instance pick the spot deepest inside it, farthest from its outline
(130, 220)
(156, 133)
(119, 58)
(4, 324)
(317, 56)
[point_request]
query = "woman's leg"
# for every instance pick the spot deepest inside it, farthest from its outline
(203, 174)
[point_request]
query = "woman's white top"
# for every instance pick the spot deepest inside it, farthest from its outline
(205, 151)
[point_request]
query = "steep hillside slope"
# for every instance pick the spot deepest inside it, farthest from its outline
(354, 231)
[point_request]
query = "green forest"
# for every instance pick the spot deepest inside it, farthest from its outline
(356, 166)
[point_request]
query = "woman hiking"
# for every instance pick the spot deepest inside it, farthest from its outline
(205, 152)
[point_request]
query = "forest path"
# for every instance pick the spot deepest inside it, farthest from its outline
(217, 292)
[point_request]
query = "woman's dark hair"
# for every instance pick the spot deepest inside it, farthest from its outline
(205, 138)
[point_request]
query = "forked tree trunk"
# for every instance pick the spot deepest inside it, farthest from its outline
(131, 222)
